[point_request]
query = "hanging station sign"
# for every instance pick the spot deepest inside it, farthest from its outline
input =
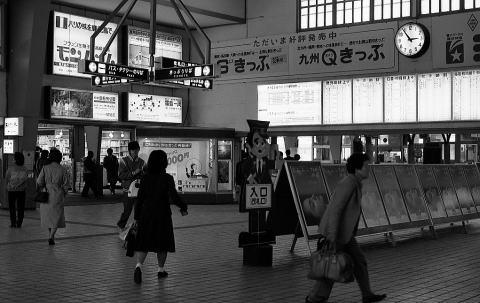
(71, 42)
(83, 105)
(151, 108)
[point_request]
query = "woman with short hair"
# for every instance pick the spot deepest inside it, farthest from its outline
(54, 178)
(153, 215)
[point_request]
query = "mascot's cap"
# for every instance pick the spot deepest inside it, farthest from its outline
(258, 126)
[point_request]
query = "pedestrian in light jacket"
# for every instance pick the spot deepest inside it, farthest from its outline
(339, 226)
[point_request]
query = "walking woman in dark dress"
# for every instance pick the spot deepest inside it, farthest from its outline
(153, 215)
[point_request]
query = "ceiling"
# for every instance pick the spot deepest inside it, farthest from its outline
(207, 13)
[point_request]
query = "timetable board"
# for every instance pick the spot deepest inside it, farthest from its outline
(400, 98)
(337, 102)
(466, 95)
(434, 97)
(368, 100)
(291, 103)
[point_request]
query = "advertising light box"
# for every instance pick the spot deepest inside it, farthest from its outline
(13, 126)
(337, 102)
(83, 105)
(71, 42)
(151, 108)
(466, 92)
(368, 100)
(434, 97)
(8, 146)
(401, 98)
(291, 103)
(166, 45)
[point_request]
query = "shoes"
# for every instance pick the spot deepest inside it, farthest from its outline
(374, 298)
(162, 274)
(51, 242)
(137, 275)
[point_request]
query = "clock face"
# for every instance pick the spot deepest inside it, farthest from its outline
(411, 39)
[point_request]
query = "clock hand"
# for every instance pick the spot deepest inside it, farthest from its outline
(408, 37)
(413, 39)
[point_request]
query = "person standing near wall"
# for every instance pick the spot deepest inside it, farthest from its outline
(42, 161)
(130, 168)
(55, 179)
(339, 226)
(16, 180)
(89, 170)
(110, 162)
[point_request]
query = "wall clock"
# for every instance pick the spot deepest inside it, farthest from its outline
(412, 39)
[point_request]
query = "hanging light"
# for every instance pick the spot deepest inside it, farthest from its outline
(122, 135)
(110, 134)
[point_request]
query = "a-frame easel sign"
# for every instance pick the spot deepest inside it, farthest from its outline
(300, 200)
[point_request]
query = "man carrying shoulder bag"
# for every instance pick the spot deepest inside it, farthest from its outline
(339, 226)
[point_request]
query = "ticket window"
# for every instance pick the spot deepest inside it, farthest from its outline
(468, 153)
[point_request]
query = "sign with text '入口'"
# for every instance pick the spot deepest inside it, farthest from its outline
(258, 196)
(71, 42)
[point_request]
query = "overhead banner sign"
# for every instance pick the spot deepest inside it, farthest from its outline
(151, 108)
(166, 45)
(456, 40)
(112, 70)
(83, 105)
(71, 42)
(363, 49)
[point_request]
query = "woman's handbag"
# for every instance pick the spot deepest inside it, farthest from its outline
(41, 196)
(328, 263)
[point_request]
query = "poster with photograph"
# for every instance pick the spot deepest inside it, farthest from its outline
(83, 105)
(447, 190)
(310, 189)
(390, 191)
(166, 45)
(432, 195)
(224, 150)
(412, 192)
(372, 206)
(473, 178)
(333, 174)
(224, 175)
(187, 160)
(463, 190)
(71, 43)
(152, 108)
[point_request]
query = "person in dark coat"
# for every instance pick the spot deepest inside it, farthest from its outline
(153, 216)
(110, 162)
(41, 162)
(89, 169)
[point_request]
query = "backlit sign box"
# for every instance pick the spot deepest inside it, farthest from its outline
(113, 70)
(8, 146)
(83, 105)
(151, 108)
(13, 126)
(71, 42)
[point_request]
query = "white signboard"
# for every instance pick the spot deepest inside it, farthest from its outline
(456, 40)
(466, 95)
(83, 105)
(8, 146)
(400, 98)
(71, 42)
(151, 108)
(13, 126)
(166, 45)
(434, 97)
(359, 50)
(368, 100)
(258, 196)
(337, 102)
(291, 103)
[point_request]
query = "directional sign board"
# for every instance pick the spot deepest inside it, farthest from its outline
(107, 80)
(181, 73)
(112, 70)
(165, 62)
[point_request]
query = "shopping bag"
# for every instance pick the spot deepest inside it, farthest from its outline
(328, 263)
(41, 196)
(133, 188)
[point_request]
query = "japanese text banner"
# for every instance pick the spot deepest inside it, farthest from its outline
(369, 48)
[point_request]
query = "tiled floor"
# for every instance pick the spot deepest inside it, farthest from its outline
(88, 264)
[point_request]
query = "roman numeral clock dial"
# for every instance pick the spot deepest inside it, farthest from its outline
(412, 40)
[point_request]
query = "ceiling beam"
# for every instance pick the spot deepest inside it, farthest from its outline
(204, 12)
